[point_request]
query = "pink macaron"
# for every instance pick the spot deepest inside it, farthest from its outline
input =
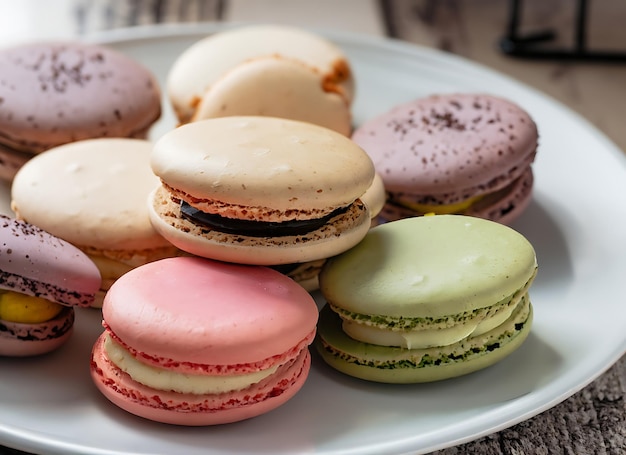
(42, 279)
(191, 341)
(457, 153)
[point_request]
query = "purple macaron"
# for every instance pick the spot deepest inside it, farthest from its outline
(52, 93)
(459, 153)
(42, 279)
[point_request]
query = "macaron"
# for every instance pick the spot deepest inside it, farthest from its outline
(271, 70)
(92, 193)
(260, 190)
(276, 86)
(58, 92)
(459, 153)
(375, 198)
(42, 279)
(306, 273)
(426, 299)
(190, 341)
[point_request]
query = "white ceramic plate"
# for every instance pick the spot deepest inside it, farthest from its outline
(576, 222)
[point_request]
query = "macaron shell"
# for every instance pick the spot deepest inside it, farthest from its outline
(36, 263)
(339, 234)
(431, 266)
(25, 340)
(263, 162)
(276, 87)
(505, 340)
(57, 92)
(447, 144)
(503, 206)
(506, 205)
(194, 310)
(91, 193)
(196, 410)
(190, 77)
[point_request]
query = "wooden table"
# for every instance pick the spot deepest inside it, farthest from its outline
(592, 421)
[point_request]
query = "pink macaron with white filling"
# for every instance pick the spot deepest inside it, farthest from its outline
(191, 341)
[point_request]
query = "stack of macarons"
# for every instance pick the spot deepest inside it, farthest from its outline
(260, 190)
(53, 93)
(42, 279)
(427, 298)
(191, 341)
(460, 153)
(92, 193)
(268, 70)
(201, 246)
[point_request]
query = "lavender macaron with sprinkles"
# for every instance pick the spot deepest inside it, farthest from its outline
(42, 279)
(57, 92)
(459, 153)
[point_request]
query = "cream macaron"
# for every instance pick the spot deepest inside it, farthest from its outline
(260, 190)
(263, 70)
(93, 194)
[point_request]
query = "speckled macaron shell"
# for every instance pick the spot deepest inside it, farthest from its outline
(276, 87)
(339, 234)
(91, 193)
(430, 266)
(444, 149)
(26, 340)
(503, 206)
(36, 263)
(210, 318)
(191, 409)
(58, 92)
(268, 168)
(359, 360)
(205, 62)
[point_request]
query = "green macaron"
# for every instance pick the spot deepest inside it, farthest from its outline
(427, 298)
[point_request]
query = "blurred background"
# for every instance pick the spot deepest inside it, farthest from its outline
(595, 88)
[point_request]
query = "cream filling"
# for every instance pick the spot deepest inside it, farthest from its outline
(425, 338)
(161, 379)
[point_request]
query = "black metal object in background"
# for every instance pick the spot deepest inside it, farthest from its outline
(530, 46)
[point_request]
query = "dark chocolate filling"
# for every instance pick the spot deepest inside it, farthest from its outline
(253, 228)
(285, 268)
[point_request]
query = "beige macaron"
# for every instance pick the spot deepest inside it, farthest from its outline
(276, 87)
(213, 72)
(260, 190)
(92, 193)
